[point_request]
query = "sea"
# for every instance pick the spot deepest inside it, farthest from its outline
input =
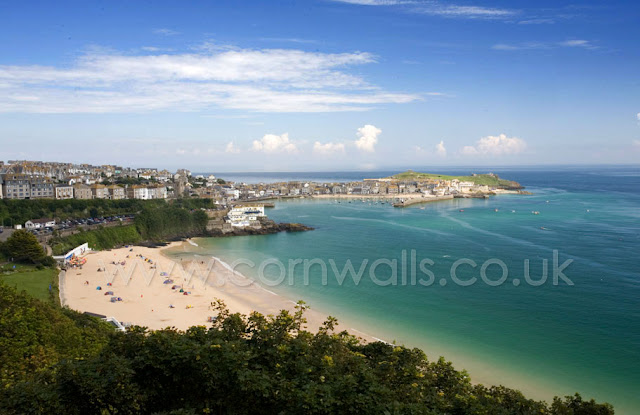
(536, 292)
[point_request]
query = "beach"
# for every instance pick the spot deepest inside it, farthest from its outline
(137, 277)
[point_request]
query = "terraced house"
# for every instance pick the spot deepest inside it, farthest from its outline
(21, 186)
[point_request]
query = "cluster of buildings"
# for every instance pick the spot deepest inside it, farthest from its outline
(380, 187)
(22, 179)
(245, 215)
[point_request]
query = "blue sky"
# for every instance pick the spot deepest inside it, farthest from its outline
(320, 85)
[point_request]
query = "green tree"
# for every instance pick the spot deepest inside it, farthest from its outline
(240, 364)
(23, 246)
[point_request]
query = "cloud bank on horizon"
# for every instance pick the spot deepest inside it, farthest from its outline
(496, 146)
(368, 139)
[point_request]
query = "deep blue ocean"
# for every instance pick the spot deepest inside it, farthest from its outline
(581, 334)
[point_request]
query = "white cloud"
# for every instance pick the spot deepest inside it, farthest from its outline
(577, 43)
(155, 49)
(328, 148)
(287, 39)
(441, 150)
(231, 148)
(438, 150)
(165, 32)
(537, 21)
(636, 143)
(496, 146)
(521, 46)
(435, 8)
(638, 116)
(267, 80)
(466, 12)
(368, 138)
(271, 143)
(373, 2)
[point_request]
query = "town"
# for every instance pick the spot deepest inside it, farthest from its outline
(235, 206)
(53, 180)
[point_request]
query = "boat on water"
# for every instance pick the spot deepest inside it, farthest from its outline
(535, 212)
(461, 210)
(495, 210)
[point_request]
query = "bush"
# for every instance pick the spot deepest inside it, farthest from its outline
(169, 222)
(266, 365)
(102, 238)
(35, 335)
(48, 261)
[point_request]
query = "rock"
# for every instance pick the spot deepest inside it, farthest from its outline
(264, 227)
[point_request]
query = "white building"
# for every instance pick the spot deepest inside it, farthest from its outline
(39, 223)
(232, 193)
(466, 186)
(138, 192)
(241, 216)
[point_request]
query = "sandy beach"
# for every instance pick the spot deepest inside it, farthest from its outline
(139, 277)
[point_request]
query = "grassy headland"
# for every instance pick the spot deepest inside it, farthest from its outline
(491, 180)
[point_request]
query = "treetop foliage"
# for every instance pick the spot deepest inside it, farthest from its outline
(239, 365)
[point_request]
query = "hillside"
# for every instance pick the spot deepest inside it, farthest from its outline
(492, 180)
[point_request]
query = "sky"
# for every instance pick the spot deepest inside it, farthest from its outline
(320, 85)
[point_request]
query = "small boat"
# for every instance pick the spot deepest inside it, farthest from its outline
(495, 210)
(421, 208)
(461, 210)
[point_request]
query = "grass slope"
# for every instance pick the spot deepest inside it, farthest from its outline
(104, 238)
(34, 281)
(480, 179)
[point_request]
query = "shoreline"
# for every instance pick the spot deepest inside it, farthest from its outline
(481, 372)
(146, 303)
(417, 197)
(147, 300)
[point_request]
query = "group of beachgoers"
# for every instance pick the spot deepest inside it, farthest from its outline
(176, 288)
(75, 262)
(114, 299)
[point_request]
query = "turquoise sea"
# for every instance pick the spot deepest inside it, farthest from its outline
(544, 340)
